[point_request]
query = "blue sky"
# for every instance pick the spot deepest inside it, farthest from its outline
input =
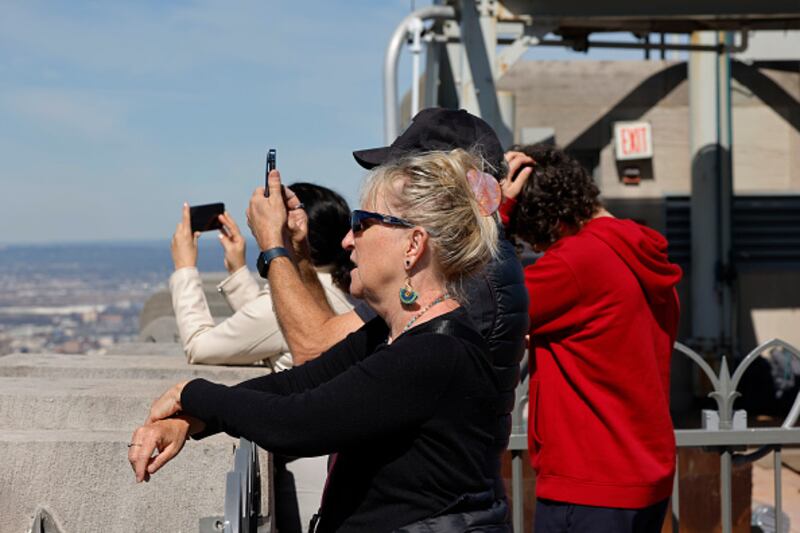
(113, 113)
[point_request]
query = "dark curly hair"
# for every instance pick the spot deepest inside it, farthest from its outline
(558, 192)
(328, 223)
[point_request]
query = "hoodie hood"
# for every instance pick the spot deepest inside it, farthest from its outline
(644, 250)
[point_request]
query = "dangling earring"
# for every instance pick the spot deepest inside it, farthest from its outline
(407, 294)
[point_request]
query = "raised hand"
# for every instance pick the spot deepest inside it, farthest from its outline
(233, 243)
(184, 243)
(297, 222)
(515, 180)
(267, 217)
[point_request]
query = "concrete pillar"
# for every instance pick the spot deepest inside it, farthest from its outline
(725, 112)
(705, 205)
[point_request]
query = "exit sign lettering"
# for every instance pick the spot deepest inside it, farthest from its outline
(633, 140)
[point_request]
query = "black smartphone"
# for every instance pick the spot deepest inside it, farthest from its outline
(272, 154)
(206, 217)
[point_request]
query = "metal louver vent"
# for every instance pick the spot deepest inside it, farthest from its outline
(678, 229)
(765, 233)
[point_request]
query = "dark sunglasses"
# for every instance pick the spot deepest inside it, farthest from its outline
(358, 217)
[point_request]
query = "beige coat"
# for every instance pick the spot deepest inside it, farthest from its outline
(251, 335)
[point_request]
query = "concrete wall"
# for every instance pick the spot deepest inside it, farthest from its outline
(581, 100)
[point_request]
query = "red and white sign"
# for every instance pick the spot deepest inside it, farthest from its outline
(633, 140)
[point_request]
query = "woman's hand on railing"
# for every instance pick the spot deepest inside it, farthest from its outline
(165, 436)
(167, 405)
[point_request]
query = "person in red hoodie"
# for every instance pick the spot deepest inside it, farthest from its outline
(604, 316)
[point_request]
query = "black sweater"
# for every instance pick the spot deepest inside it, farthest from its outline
(497, 302)
(412, 423)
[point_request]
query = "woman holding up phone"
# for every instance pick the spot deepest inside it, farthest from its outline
(252, 335)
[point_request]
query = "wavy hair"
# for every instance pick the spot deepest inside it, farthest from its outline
(559, 192)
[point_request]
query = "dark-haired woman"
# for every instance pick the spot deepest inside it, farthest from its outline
(252, 335)
(604, 316)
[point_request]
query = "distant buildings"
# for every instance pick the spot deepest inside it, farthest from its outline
(68, 329)
(77, 308)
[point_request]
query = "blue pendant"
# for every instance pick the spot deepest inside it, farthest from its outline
(408, 295)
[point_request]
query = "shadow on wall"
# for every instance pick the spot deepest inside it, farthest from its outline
(632, 106)
(771, 300)
(762, 291)
(588, 144)
(769, 92)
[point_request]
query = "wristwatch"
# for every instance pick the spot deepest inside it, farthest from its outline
(266, 257)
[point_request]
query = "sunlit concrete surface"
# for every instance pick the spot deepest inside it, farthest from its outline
(65, 422)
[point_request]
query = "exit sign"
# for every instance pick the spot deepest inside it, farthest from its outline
(633, 140)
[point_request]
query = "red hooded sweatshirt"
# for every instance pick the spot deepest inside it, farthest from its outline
(604, 315)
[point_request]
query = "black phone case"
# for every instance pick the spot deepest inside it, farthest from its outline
(206, 217)
(272, 156)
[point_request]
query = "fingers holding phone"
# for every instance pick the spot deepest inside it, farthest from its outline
(266, 215)
(297, 219)
(233, 243)
(184, 241)
(275, 188)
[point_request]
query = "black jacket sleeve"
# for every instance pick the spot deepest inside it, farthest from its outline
(336, 360)
(394, 389)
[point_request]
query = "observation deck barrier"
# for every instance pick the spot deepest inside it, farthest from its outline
(243, 501)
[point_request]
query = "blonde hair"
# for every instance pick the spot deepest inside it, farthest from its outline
(431, 190)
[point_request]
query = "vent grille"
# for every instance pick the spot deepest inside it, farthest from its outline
(766, 230)
(678, 229)
(765, 233)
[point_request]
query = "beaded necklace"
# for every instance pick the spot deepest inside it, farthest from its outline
(421, 312)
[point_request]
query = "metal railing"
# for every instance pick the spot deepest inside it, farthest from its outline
(43, 522)
(720, 433)
(242, 495)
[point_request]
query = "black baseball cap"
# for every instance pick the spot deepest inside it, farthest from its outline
(437, 128)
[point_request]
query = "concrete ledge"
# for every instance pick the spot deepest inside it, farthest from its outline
(79, 404)
(85, 480)
(167, 367)
(157, 349)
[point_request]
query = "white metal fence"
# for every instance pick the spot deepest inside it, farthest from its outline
(722, 432)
